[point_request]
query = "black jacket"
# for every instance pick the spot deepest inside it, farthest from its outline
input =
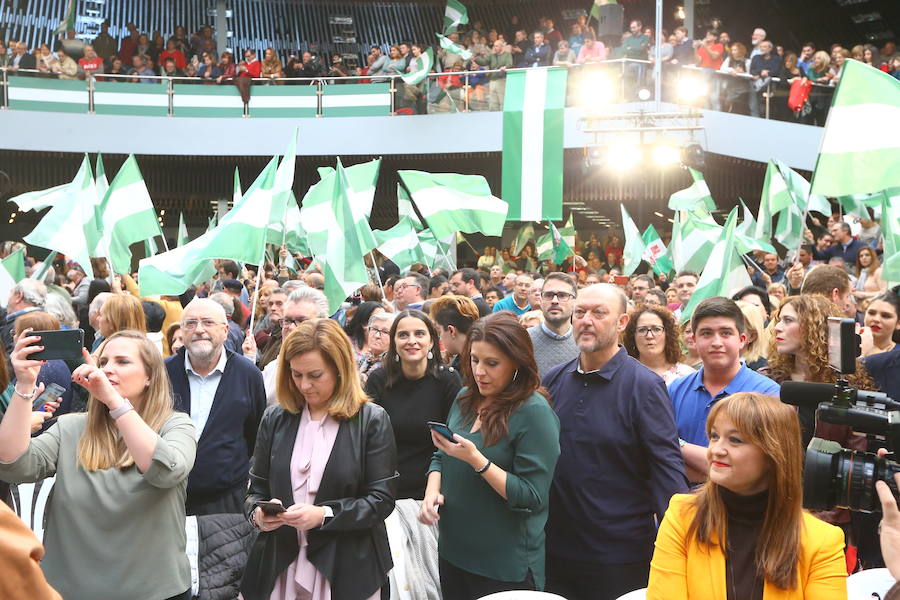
(351, 550)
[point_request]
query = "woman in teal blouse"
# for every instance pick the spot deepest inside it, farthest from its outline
(489, 489)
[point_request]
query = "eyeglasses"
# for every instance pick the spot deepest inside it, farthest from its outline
(563, 296)
(191, 324)
(379, 332)
(645, 331)
(286, 323)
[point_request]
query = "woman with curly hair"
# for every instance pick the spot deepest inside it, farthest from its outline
(651, 336)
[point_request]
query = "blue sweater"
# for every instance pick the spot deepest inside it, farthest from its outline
(226, 444)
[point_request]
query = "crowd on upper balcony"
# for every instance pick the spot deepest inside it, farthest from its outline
(756, 77)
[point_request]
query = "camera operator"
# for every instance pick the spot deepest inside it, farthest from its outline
(890, 531)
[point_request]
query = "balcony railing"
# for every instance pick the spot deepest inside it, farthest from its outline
(590, 85)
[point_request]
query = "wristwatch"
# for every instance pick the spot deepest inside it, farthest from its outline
(124, 408)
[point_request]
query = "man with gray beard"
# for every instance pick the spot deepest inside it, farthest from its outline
(223, 393)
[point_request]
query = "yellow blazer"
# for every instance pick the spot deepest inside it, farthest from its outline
(684, 569)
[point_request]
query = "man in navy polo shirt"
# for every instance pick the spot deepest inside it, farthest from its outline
(718, 327)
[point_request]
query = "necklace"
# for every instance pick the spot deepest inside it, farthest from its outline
(887, 348)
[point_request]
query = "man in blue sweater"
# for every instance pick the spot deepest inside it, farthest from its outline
(223, 392)
(764, 65)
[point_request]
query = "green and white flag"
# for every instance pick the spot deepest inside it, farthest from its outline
(212, 222)
(68, 22)
(437, 251)
(725, 271)
(697, 193)
(401, 245)
(39, 274)
(857, 204)
(150, 248)
(568, 232)
(523, 236)
(890, 229)
(694, 234)
(40, 199)
(426, 63)
(237, 194)
(100, 179)
(745, 233)
(860, 152)
(533, 119)
(12, 271)
(450, 202)
(239, 236)
(544, 246)
(561, 250)
(182, 237)
(291, 233)
(127, 216)
(363, 179)
(448, 45)
(71, 226)
(405, 208)
(634, 244)
(655, 252)
(454, 15)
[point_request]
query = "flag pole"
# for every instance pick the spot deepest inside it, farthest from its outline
(802, 228)
(165, 243)
(377, 274)
(752, 263)
(259, 271)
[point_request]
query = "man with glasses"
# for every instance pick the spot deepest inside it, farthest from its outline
(640, 285)
(224, 395)
(553, 341)
(410, 291)
(518, 301)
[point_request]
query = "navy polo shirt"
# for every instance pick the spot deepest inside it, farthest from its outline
(692, 402)
(884, 368)
(619, 461)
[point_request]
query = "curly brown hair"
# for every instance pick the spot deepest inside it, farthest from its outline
(812, 311)
(672, 347)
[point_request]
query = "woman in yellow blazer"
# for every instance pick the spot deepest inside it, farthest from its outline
(744, 535)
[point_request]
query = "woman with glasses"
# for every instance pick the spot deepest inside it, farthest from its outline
(414, 387)
(652, 338)
(378, 337)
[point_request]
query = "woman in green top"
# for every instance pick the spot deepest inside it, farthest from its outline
(115, 522)
(489, 489)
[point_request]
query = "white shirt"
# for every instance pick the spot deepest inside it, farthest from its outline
(270, 378)
(203, 390)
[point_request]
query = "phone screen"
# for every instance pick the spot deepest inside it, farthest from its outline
(51, 394)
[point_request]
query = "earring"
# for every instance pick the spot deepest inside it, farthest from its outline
(430, 355)
(397, 357)
(515, 375)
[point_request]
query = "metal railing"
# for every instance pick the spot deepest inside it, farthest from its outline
(467, 91)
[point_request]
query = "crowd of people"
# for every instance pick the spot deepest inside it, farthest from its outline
(508, 425)
(741, 75)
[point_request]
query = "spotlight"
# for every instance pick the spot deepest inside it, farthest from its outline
(691, 89)
(666, 154)
(623, 157)
(593, 156)
(693, 156)
(679, 13)
(644, 94)
(598, 90)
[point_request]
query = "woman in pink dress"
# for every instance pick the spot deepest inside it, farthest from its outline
(325, 457)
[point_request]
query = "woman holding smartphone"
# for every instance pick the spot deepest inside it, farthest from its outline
(115, 522)
(330, 539)
(488, 490)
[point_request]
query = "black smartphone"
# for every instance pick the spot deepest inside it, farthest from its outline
(51, 394)
(442, 429)
(63, 344)
(271, 508)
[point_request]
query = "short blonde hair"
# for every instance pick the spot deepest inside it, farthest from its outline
(754, 322)
(326, 337)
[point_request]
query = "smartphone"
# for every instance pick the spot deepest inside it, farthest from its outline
(442, 429)
(271, 508)
(51, 394)
(63, 344)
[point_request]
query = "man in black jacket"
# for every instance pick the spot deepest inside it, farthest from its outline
(465, 282)
(22, 59)
(223, 393)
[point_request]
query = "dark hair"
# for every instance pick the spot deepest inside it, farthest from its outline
(647, 278)
(661, 296)
(496, 290)
(230, 267)
(356, 327)
(752, 289)
(154, 314)
(485, 280)
(687, 273)
(458, 311)
(503, 331)
(233, 285)
(391, 279)
(96, 287)
(717, 306)
(436, 282)
(170, 334)
(557, 276)
(392, 369)
(468, 275)
(672, 346)
(894, 300)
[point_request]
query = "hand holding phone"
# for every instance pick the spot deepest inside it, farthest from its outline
(271, 508)
(63, 344)
(51, 394)
(442, 429)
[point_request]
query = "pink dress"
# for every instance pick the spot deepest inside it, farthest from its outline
(315, 439)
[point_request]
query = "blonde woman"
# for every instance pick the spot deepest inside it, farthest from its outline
(121, 312)
(115, 522)
(754, 352)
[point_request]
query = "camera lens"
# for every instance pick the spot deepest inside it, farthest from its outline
(839, 478)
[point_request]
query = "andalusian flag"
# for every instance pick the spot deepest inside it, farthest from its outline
(533, 118)
(890, 229)
(237, 194)
(182, 237)
(544, 247)
(523, 236)
(448, 45)
(426, 63)
(127, 216)
(401, 245)
(745, 234)
(694, 234)
(697, 193)
(860, 150)
(12, 271)
(100, 179)
(68, 22)
(561, 250)
(568, 232)
(40, 199)
(437, 251)
(454, 15)
(405, 208)
(655, 252)
(450, 202)
(724, 272)
(634, 244)
(40, 273)
(857, 204)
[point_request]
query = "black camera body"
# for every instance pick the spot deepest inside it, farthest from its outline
(836, 477)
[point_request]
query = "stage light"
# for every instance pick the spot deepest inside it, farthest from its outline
(679, 13)
(623, 157)
(644, 94)
(666, 154)
(598, 89)
(691, 89)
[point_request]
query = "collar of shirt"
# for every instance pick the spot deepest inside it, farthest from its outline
(220, 366)
(555, 336)
(607, 371)
(12, 316)
(477, 296)
(736, 383)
